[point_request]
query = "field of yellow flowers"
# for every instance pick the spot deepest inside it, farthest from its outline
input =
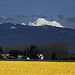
(36, 68)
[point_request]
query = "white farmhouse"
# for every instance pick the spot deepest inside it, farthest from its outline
(28, 58)
(41, 56)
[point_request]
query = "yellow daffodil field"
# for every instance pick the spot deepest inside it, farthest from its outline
(36, 68)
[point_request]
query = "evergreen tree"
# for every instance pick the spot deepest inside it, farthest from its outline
(53, 55)
(33, 51)
(1, 50)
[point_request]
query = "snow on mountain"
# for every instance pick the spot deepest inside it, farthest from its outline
(13, 27)
(23, 24)
(42, 21)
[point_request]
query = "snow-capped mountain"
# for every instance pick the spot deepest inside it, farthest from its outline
(42, 21)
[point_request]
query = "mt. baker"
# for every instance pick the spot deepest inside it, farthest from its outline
(39, 31)
(42, 21)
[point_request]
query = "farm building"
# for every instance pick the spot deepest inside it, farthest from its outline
(19, 56)
(41, 56)
(5, 55)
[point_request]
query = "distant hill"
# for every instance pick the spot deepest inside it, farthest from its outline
(12, 34)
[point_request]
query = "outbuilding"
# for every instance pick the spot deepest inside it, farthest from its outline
(4, 56)
(41, 56)
(19, 56)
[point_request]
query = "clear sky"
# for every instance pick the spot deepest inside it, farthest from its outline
(37, 7)
(28, 7)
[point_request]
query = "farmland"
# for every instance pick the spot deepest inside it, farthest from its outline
(36, 68)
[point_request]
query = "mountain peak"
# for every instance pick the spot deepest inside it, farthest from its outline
(42, 21)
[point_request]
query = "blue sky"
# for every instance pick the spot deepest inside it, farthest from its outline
(10, 8)
(28, 7)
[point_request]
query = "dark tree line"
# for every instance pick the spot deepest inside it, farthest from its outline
(29, 52)
(15, 53)
(50, 50)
